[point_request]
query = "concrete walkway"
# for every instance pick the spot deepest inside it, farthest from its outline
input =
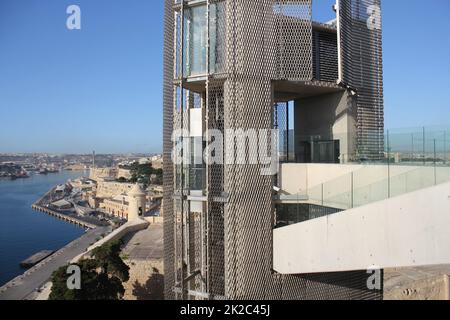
(417, 283)
(25, 286)
(146, 244)
(143, 253)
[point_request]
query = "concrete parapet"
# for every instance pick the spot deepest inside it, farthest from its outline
(155, 220)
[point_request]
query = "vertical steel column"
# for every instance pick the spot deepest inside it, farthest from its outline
(168, 104)
(388, 165)
(445, 147)
(424, 146)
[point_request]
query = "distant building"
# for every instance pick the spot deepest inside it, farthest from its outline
(103, 173)
(128, 206)
(83, 184)
(157, 163)
(117, 206)
(124, 173)
(62, 205)
(137, 200)
(109, 189)
(144, 161)
(93, 201)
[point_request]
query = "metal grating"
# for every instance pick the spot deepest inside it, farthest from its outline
(215, 178)
(168, 106)
(248, 105)
(293, 25)
(362, 69)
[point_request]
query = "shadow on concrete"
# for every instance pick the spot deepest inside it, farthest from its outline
(153, 289)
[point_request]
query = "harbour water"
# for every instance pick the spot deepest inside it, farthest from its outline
(23, 231)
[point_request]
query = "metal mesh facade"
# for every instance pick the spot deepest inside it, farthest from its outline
(362, 70)
(168, 106)
(225, 251)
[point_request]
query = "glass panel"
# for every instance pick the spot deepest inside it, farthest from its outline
(337, 193)
(177, 45)
(177, 99)
(193, 100)
(371, 193)
(195, 170)
(414, 159)
(197, 178)
(442, 175)
(186, 94)
(315, 195)
(217, 32)
(288, 214)
(195, 40)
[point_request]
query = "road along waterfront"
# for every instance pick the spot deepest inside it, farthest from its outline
(25, 286)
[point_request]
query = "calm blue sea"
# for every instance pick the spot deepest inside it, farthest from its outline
(23, 231)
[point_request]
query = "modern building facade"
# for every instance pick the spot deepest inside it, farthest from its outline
(261, 65)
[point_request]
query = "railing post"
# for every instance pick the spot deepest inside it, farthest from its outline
(322, 196)
(445, 146)
(352, 205)
(287, 133)
(389, 165)
(424, 147)
(435, 173)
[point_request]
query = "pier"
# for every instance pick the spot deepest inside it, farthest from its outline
(41, 206)
(64, 217)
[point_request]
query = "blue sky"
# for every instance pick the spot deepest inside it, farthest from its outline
(100, 87)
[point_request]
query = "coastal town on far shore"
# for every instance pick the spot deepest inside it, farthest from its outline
(113, 197)
(103, 186)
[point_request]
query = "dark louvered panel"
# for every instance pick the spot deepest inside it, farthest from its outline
(325, 59)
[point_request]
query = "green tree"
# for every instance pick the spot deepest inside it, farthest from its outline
(101, 277)
(108, 258)
(141, 173)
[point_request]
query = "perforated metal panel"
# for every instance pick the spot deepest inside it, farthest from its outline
(293, 24)
(168, 106)
(215, 178)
